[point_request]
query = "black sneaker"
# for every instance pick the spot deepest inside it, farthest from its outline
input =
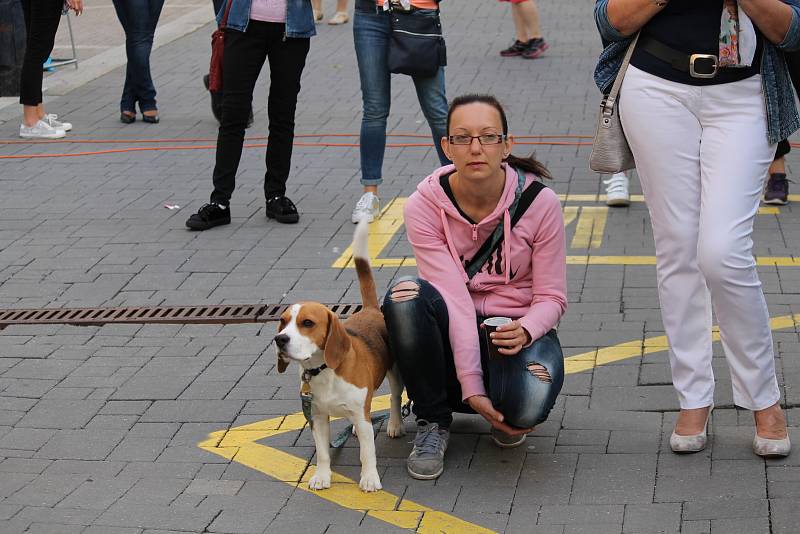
(777, 190)
(282, 210)
(535, 48)
(209, 216)
(515, 49)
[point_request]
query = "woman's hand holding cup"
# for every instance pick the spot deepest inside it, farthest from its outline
(507, 337)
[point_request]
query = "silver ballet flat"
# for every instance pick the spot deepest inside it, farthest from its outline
(771, 448)
(694, 443)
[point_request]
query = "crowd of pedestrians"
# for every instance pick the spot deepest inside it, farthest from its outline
(707, 105)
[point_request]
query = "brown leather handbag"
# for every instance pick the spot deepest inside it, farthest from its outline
(217, 52)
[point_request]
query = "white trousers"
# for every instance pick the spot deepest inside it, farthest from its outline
(702, 156)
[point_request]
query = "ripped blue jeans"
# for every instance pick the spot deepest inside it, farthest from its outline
(522, 387)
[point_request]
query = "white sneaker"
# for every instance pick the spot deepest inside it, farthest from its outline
(368, 206)
(40, 130)
(51, 119)
(617, 193)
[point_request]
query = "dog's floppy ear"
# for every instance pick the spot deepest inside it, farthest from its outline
(282, 364)
(337, 342)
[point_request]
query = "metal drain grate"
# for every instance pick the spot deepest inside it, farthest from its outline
(221, 314)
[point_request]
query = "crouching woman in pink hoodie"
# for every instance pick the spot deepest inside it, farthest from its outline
(434, 321)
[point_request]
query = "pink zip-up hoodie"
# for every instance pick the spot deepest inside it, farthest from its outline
(525, 279)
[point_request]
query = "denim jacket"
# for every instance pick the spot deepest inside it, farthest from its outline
(782, 117)
(299, 17)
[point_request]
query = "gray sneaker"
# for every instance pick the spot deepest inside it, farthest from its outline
(52, 120)
(368, 207)
(505, 441)
(40, 130)
(426, 460)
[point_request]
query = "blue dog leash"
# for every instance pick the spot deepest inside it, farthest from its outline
(306, 398)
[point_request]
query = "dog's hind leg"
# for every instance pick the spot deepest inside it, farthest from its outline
(322, 440)
(395, 428)
(370, 479)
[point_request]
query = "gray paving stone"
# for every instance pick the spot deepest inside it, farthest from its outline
(652, 518)
(580, 514)
(197, 411)
(80, 444)
(60, 414)
(143, 516)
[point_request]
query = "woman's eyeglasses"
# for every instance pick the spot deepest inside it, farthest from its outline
(485, 139)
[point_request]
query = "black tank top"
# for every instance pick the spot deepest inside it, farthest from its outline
(691, 26)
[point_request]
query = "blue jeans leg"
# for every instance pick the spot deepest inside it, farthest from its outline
(139, 19)
(371, 31)
(433, 100)
(522, 397)
(418, 325)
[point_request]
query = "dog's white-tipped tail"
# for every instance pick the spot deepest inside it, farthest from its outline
(361, 240)
(369, 295)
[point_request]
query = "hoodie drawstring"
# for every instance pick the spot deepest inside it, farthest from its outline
(507, 245)
(450, 246)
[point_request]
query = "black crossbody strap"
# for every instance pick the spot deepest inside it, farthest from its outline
(522, 201)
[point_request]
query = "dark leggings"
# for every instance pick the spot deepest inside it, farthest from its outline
(418, 324)
(41, 24)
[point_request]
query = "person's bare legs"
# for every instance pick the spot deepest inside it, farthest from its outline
(371, 189)
(528, 14)
(30, 114)
(778, 165)
(341, 5)
(691, 422)
(770, 422)
(520, 26)
(316, 6)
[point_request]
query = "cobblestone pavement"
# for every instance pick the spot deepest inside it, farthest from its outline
(98, 28)
(105, 430)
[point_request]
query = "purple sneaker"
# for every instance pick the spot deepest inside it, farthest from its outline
(777, 190)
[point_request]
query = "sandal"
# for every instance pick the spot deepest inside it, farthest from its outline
(340, 17)
(318, 16)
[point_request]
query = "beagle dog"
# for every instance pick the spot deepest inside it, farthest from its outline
(343, 363)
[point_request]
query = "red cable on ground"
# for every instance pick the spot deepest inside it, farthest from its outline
(554, 140)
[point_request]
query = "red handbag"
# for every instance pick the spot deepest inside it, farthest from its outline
(217, 52)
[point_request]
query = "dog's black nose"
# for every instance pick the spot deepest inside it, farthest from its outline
(281, 340)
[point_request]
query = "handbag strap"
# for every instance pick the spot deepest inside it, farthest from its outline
(522, 201)
(610, 101)
(224, 22)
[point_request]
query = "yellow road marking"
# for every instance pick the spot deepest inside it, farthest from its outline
(240, 444)
(590, 227)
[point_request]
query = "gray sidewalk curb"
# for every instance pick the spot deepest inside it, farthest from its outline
(65, 81)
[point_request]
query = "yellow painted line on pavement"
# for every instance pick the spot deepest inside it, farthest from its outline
(589, 230)
(240, 444)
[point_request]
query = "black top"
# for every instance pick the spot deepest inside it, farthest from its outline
(691, 26)
(444, 180)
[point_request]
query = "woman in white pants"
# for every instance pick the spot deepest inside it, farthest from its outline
(695, 115)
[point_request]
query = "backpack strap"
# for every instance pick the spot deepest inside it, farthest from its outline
(522, 201)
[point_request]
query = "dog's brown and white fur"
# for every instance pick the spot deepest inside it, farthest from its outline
(357, 357)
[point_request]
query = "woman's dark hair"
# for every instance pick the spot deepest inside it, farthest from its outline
(529, 164)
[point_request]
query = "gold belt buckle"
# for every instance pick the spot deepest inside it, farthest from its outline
(703, 57)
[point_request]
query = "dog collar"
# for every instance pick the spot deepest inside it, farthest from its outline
(308, 374)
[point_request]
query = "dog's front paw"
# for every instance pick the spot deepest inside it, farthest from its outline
(320, 480)
(370, 482)
(395, 428)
